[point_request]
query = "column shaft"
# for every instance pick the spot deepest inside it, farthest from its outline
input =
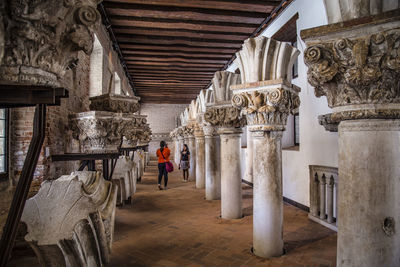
(213, 171)
(267, 202)
(192, 159)
(369, 210)
(249, 158)
(231, 180)
(200, 162)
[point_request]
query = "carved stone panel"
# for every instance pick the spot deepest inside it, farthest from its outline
(40, 39)
(70, 220)
(115, 103)
(221, 81)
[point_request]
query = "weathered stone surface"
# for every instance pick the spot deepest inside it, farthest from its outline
(213, 165)
(98, 131)
(258, 60)
(227, 116)
(344, 10)
(231, 180)
(221, 81)
(123, 173)
(71, 220)
(40, 40)
(115, 103)
(368, 210)
(134, 130)
(328, 123)
(359, 71)
(200, 158)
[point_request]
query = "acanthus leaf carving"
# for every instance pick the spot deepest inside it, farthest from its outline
(39, 40)
(224, 116)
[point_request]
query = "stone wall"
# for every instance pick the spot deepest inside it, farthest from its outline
(162, 119)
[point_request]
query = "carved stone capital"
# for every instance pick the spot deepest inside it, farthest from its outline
(115, 103)
(187, 131)
(328, 123)
(198, 132)
(356, 66)
(227, 116)
(266, 104)
(209, 131)
(134, 125)
(98, 131)
(40, 40)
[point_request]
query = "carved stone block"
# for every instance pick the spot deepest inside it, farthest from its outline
(39, 40)
(98, 131)
(115, 103)
(133, 131)
(123, 174)
(70, 220)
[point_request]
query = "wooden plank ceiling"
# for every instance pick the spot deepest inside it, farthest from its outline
(172, 48)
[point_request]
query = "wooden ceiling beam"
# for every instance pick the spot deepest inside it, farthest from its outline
(184, 13)
(166, 54)
(250, 6)
(172, 64)
(155, 47)
(168, 24)
(179, 33)
(172, 68)
(172, 73)
(175, 41)
(174, 59)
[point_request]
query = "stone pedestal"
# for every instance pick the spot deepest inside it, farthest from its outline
(192, 149)
(213, 167)
(355, 64)
(267, 194)
(248, 175)
(200, 159)
(369, 209)
(231, 180)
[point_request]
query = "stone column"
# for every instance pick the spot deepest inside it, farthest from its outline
(267, 98)
(180, 146)
(248, 176)
(192, 160)
(359, 74)
(200, 158)
(231, 180)
(227, 118)
(213, 167)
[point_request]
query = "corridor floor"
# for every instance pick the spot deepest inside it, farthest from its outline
(178, 227)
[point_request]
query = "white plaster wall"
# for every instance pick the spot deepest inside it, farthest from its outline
(162, 120)
(317, 147)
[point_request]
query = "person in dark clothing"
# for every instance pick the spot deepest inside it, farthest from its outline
(163, 156)
(184, 163)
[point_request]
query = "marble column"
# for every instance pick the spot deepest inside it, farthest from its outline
(267, 97)
(200, 158)
(180, 147)
(231, 180)
(248, 175)
(192, 159)
(364, 97)
(213, 167)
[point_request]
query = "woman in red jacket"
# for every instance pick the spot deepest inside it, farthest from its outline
(163, 156)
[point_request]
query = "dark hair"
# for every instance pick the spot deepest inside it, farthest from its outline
(162, 145)
(187, 148)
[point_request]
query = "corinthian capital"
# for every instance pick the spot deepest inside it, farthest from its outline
(39, 40)
(268, 105)
(359, 71)
(224, 117)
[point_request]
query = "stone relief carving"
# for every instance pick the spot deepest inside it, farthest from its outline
(134, 125)
(188, 130)
(70, 221)
(224, 116)
(209, 130)
(98, 131)
(40, 39)
(267, 106)
(115, 103)
(350, 71)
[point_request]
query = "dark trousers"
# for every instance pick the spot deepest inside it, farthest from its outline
(162, 170)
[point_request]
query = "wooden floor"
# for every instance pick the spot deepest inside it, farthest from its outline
(178, 227)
